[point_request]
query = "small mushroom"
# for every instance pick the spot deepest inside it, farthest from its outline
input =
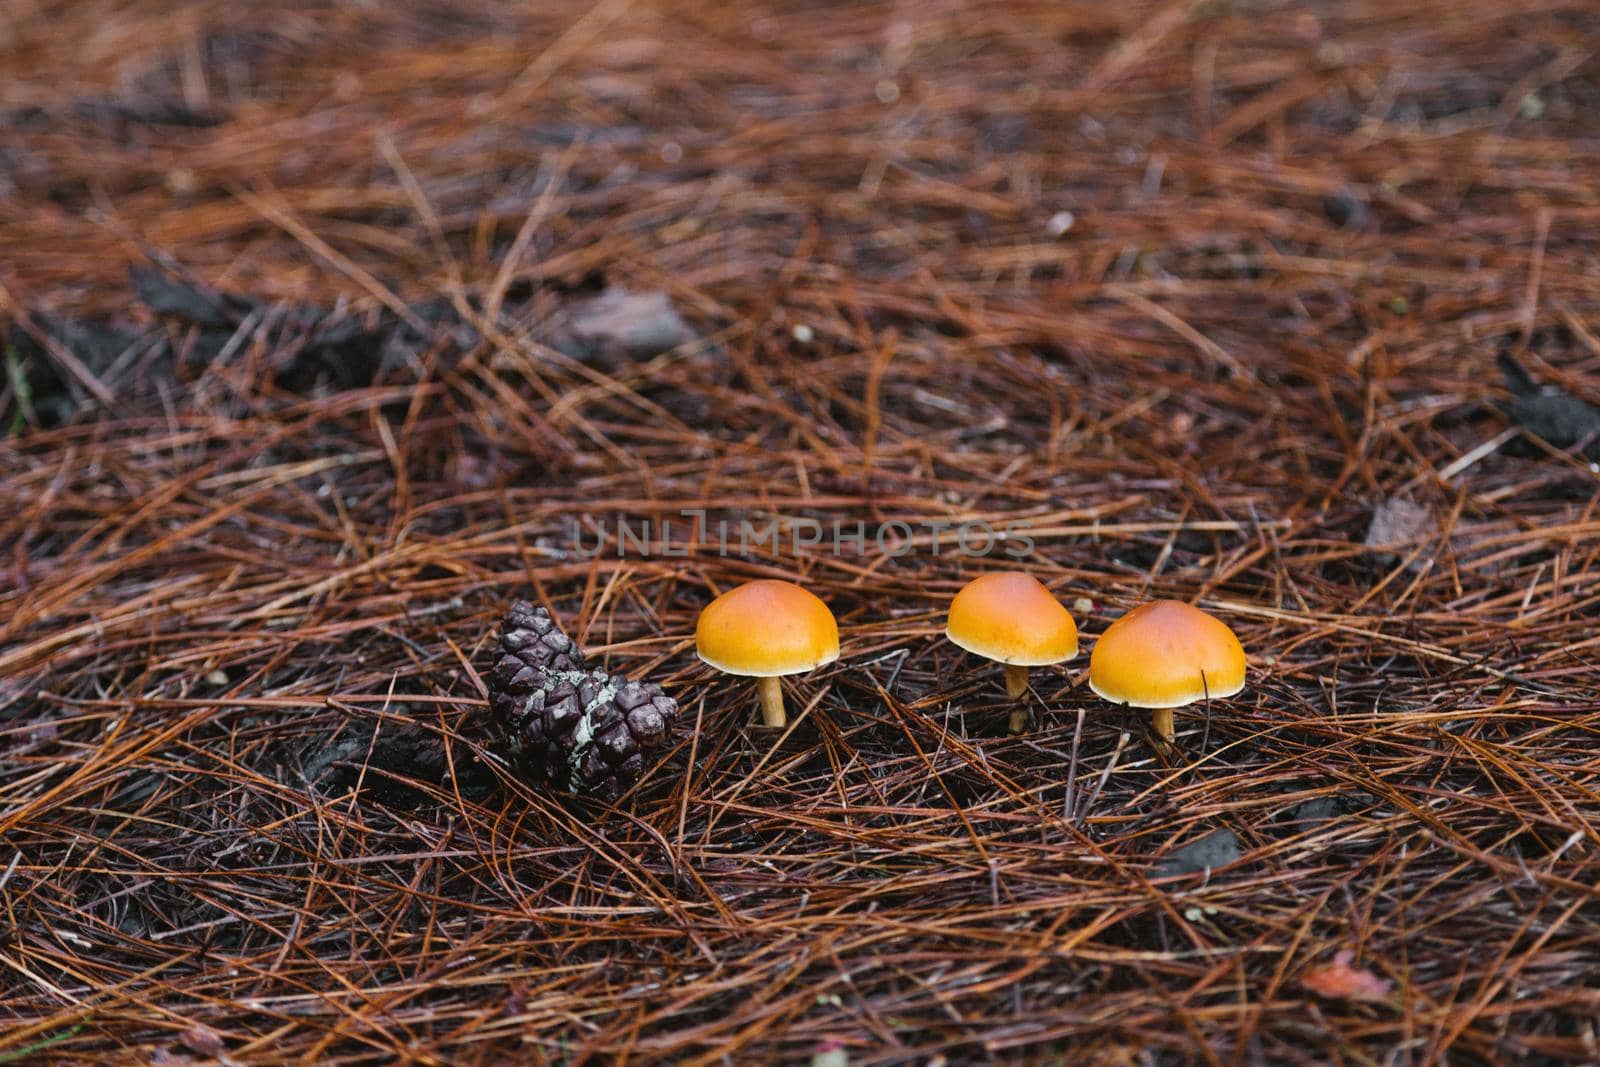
(1010, 617)
(1164, 655)
(766, 629)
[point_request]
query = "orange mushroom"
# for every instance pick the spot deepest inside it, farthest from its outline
(1164, 655)
(1010, 617)
(764, 630)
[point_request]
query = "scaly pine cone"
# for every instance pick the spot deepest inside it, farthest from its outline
(530, 644)
(582, 731)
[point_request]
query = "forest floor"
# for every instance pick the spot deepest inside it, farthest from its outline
(329, 330)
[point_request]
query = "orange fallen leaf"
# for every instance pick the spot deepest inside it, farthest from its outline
(1340, 981)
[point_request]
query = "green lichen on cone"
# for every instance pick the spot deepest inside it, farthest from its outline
(566, 727)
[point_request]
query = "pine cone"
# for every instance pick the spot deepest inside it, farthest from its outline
(530, 644)
(583, 731)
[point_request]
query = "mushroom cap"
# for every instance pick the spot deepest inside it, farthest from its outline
(766, 628)
(1166, 654)
(1010, 617)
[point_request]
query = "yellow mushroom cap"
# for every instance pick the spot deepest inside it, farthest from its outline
(767, 628)
(1010, 617)
(1166, 654)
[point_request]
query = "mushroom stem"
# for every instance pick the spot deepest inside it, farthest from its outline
(1016, 688)
(771, 690)
(1016, 680)
(1161, 722)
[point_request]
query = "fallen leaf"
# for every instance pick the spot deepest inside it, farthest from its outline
(1560, 418)
(1317, 809)
(204, 1040)
(621, 324)
(1216, 849)
(1340, 981)
(1397, 528)
(1400, 525)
